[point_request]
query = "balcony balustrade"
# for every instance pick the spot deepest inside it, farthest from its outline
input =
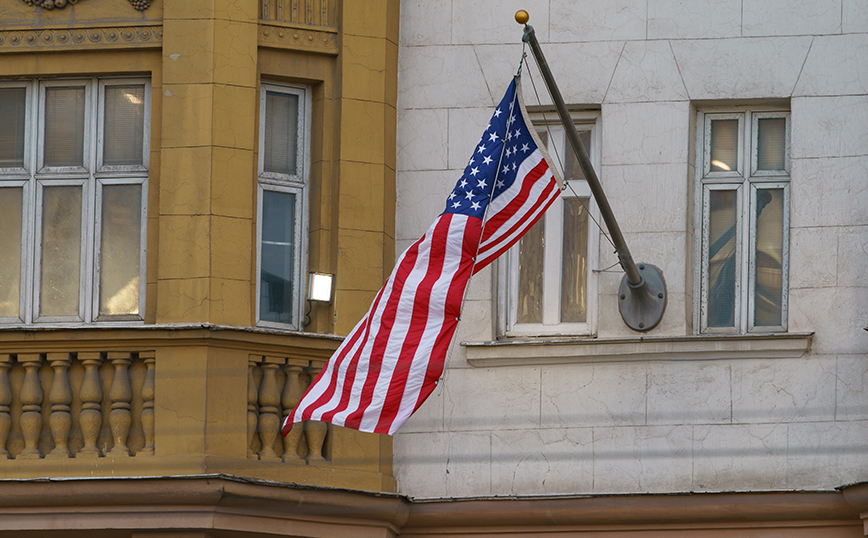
(162, 401)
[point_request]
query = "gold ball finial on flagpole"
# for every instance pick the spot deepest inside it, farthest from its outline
(521, 16)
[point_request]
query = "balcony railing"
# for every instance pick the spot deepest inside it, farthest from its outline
(149, 401)
(82, 405)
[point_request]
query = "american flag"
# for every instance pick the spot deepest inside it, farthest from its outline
(391, 361)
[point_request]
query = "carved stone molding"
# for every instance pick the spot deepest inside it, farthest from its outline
(140, 5)
(323, 40)
(79, 38)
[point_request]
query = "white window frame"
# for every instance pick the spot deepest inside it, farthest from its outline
(507, 266)
(33, 179)
(296, 184)
(745, 182)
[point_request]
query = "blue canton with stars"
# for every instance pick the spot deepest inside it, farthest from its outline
(492, 164)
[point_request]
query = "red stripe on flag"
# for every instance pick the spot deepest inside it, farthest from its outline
(346, 380)
(385, 324)
(489, 256)
(396, 399)
(419, 319)
(456, 296)
(493, 222)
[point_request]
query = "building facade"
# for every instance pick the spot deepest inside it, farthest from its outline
(730, 139)
(170, 173)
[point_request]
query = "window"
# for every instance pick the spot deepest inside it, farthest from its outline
(284, 142)
(546, 286)
(73, 195)
(743, 185)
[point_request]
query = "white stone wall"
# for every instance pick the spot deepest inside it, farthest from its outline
(658, 425)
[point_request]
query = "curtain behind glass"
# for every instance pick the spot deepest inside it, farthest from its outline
(60, 269)
(124, 125)
(769, 255)
(531, 257)
(10, 251)
(120, 249)
(724, 145)
(771, 143)
(721, 258)
(574, 272)
(572, 169)
(277, 264)
(281, 133)
(12, 113)
(64, 127)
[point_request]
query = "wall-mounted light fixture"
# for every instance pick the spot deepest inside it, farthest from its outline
(320, 287)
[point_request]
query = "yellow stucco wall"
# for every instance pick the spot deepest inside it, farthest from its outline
(206, 60)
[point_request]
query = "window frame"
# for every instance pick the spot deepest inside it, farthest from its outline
(746, 183)
(35, 177)
(6, 174)
(507, 267)
(297, 184)
(90, 122)
(114, 170)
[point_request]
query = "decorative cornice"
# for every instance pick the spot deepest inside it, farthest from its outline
(81, 38)
(298, 37)
(139, 5)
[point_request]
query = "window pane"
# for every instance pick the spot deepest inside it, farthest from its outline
(724, 145)
(276, 271)
(64, 127)
(281, 133)
(721, 258)
(10, 251)
(61, 251)
(120, 249)
(124, 125)
(12, 107)
(574, 274)
(771, 143)
(531, 249)
(769, 257)
(572, 169)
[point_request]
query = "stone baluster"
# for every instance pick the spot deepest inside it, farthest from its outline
(90, 419)
(5, 402)
(291, 395)
(60, 396)
(31, 406)
(252, 398)
(314, 430)
(121, 394)
(269, 399)
(148, 392)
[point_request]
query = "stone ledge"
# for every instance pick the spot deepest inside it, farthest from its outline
(264, 341)
(643, 348)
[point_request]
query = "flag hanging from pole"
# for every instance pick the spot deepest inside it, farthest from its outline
(391, 361)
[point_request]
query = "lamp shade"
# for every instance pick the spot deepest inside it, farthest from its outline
(320, 287)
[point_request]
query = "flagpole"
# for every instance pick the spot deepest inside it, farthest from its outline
(642, 296)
